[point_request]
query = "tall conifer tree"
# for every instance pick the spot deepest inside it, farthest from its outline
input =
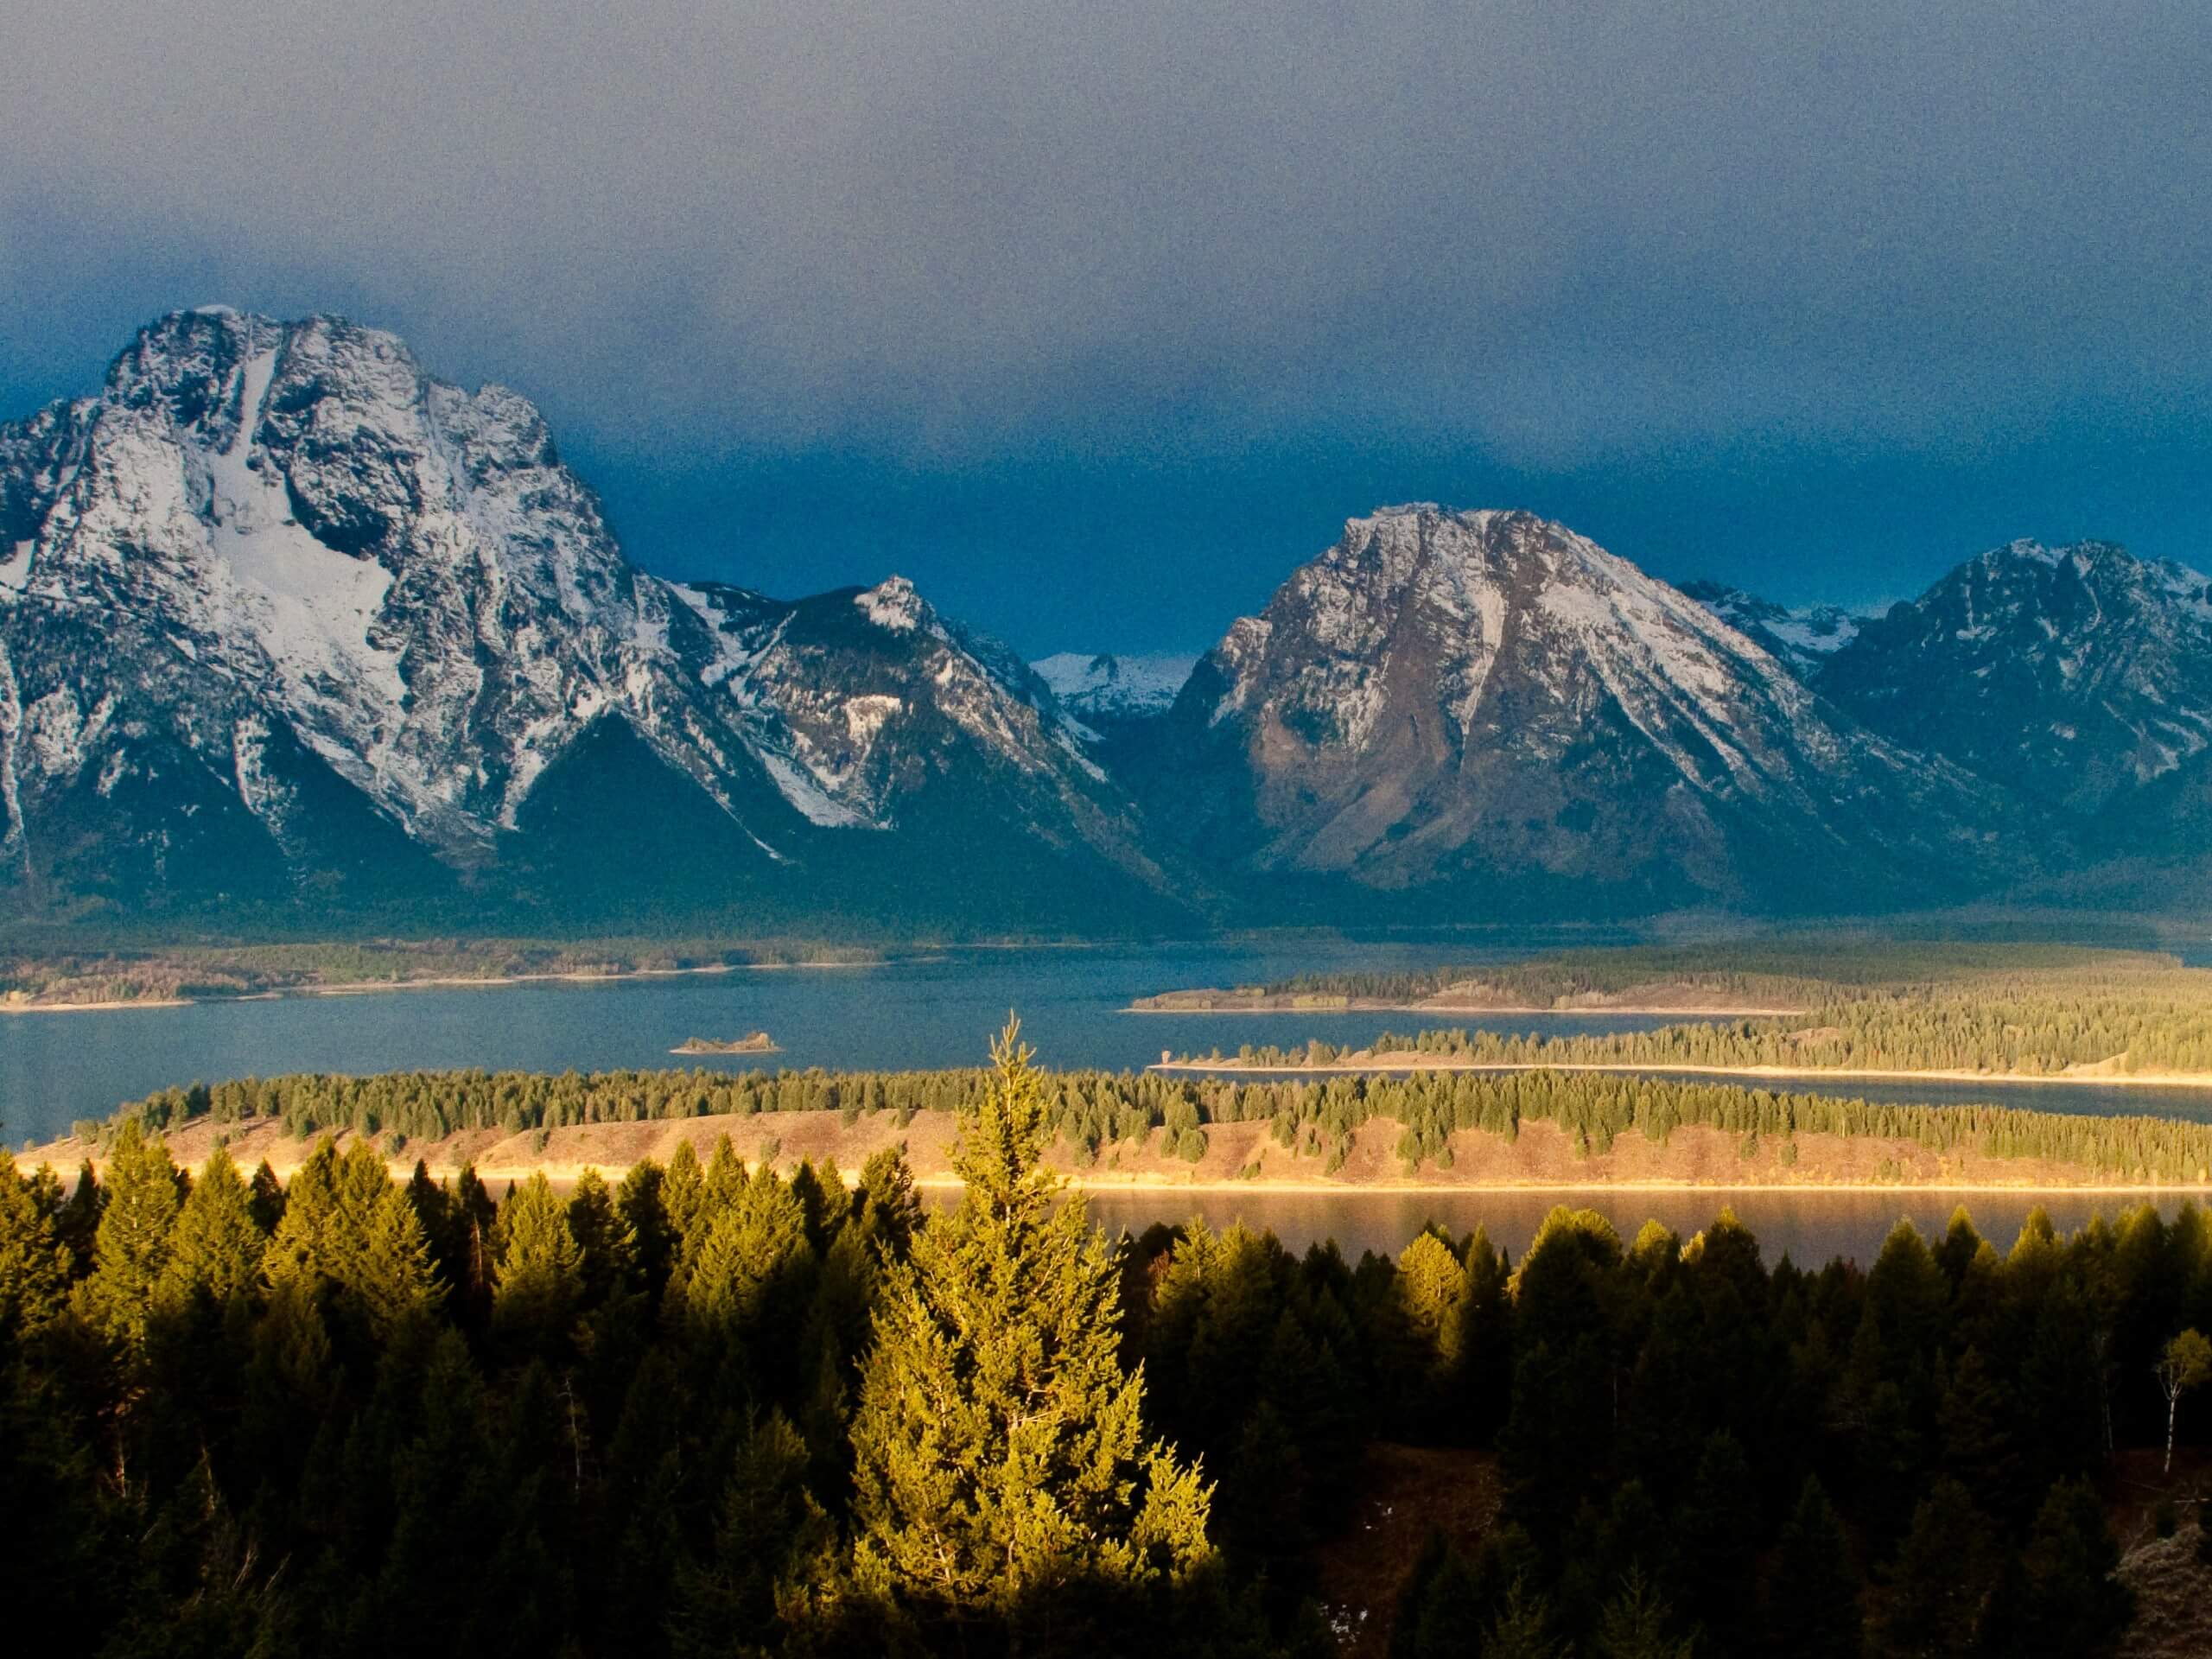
(1816, 1613)
(131, 1251)
(217, 1247)
(999, 1447)
(540, 1282)
(34, 1261)
(397, 1280)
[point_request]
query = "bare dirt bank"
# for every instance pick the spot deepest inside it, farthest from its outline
(1239, 1157)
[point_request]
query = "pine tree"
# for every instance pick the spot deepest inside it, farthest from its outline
(771, 1555)
(267, 1198)
(475, 1221)
(34, 1261)
(740, 1250)
(540, 1278)
(999, 1446)
(1944, 1581)
(1717, 1534)
(682, 1192)
(1440, 1605)
(78, 1220)
(218, 1246)
(1522, 1629)
(2069, 1601)
(889, 1206)
(639, 1200)
(397, 1279)
(1636, 1623)
(607, 1242)
(300, 1251)
(364, 1178)
(1815, 1613)
(131, 1251)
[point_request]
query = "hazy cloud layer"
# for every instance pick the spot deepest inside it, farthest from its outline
(935, 241)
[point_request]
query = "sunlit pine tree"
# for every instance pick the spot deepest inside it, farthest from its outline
(999, 1446)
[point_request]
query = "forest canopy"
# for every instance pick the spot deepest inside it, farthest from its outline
(719, 1409)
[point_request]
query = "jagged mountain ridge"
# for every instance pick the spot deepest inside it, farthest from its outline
(289, 628)
(1804, 637)
(282, 614)
(2078, 677)
(1489, 700)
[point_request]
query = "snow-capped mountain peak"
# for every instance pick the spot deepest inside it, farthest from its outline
(281, 562)
(1467, 696)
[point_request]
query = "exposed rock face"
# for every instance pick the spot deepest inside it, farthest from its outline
(1801, 639)
(1110, 693)
(292, 634)
(281, 615)
(1489, 700)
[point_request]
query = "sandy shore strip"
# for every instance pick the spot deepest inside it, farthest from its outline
(443, 983)
(95, 1008)
(1462, 1012)
(1411, 1062)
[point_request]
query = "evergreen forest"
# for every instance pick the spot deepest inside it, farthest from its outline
(2033, 1011)
(715, 1409)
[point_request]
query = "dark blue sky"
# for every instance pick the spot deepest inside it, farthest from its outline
(1097, 320)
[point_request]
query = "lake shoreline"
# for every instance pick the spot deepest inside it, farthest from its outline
(1412, 1061)
(1238, 1157)
(1593, 1011)
(120, 1003)
(437, 983)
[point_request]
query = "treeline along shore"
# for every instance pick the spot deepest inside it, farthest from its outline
(1880, 1009)
(709, 1409)
(61, 980)
(1532, 1128)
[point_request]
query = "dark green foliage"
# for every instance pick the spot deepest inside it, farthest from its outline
(717, 1409)
(2067, 1600)
(1813, 1601)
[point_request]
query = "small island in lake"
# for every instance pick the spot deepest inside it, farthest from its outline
(758, 1042)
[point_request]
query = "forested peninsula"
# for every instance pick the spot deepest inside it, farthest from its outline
(1537, 1128)
(1951, 1012)
(61, 979)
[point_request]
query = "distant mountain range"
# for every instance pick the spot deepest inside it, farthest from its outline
(294, 637)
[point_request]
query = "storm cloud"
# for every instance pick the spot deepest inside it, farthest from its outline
(958, 268)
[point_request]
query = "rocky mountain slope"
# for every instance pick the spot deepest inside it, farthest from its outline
(2078, 676)
(1489, 702)
(1803, 640)
(293, 636)
(286, 622)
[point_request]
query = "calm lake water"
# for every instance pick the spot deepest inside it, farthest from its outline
(57, 1068)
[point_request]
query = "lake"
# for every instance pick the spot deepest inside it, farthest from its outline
(56, 1068)
(941, 1012)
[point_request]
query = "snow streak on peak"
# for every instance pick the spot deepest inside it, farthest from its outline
(1109, 687)
(893, 605)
